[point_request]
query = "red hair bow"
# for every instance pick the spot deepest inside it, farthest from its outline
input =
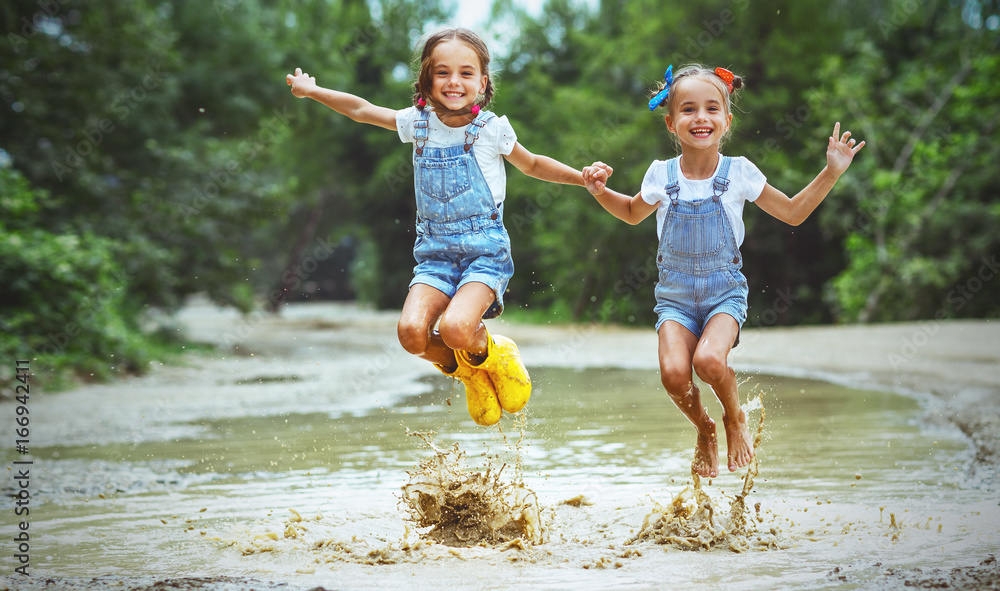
(726, 76)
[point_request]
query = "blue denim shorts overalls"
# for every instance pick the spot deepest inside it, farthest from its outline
(698, 260)
(460, 232)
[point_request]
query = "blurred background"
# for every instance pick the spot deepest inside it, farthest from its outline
(151, 151)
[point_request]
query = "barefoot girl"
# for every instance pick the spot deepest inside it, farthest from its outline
(462, 248)
(701, 296)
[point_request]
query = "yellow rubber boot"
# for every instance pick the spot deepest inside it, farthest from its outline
(506, 370)
(480, 395)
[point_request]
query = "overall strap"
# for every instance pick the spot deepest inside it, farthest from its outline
(672, 187)
(721, 182)
(420, 131)
(472, 131)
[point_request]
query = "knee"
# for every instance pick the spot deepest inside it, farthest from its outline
(676, 379)
(710, 366)
(413, 337)
(458, 333)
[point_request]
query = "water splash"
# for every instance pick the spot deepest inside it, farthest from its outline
(693, 521)
(463, 507)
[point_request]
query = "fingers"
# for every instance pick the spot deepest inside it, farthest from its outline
(845, 138)
(602, 166)
(592, 173)
(289, 78)
(852, 144)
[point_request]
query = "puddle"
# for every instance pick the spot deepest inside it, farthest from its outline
(591, 490)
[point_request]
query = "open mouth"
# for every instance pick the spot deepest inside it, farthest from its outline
(701, 132)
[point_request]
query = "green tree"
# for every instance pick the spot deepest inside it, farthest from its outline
(354, 182)
(578, 85)
(920, 225)
(148, 129)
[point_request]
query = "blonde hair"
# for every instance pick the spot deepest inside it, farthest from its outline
(422, 87)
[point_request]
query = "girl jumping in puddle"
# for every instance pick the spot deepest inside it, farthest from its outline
(701, 295)
(462, 248)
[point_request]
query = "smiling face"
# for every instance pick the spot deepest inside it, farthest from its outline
(456, 75)
(698, 114)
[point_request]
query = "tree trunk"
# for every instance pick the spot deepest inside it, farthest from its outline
(290, 273)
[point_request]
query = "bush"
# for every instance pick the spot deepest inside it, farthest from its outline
(63, 303)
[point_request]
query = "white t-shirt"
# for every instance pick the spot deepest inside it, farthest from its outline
(746, 182)
(496, 140)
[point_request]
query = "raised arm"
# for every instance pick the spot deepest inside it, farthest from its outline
(355, 107)
(631, 210)
(543, 167)
(839, 155)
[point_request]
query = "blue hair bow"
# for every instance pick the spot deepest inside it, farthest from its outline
(661, 96)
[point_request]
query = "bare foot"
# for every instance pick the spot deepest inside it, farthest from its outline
(706, 452)
(738, 442)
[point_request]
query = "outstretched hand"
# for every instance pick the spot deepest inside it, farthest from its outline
(840, 152)
(595, 177)
(301, 83)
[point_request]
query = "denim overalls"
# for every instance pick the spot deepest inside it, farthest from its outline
(698, 260)
(460, 232)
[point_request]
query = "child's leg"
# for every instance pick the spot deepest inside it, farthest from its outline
(711, 362)
(422, 308)
(462, 330)
(677, 346)
(461, 324)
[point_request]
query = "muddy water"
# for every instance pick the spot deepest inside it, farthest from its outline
(287, 463)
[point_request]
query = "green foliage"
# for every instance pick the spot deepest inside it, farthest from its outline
(63, 294)
(576, 88)
(150, 151)
(921, 211)
(157, 162)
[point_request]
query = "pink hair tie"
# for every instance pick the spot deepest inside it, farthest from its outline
(421, 103)
(475, 109)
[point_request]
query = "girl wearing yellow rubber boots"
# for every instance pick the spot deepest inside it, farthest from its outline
(462, 248)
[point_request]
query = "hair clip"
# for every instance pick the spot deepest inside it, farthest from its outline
(726, 76)
(661, 97)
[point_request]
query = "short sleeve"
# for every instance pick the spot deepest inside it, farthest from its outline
(652, 186)
(506, 138)
(752, 178)
(404, 124)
